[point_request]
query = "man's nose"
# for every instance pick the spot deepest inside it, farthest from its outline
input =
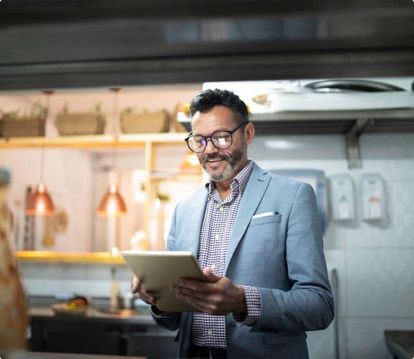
(210, 147)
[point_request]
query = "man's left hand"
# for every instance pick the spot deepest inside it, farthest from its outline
(217, 295)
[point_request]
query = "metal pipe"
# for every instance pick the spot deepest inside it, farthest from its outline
(335, 290)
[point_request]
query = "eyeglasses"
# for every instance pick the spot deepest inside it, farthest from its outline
(220, 139)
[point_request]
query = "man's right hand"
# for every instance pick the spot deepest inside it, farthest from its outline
(138, 287)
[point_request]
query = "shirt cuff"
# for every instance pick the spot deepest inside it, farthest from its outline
(253, 304)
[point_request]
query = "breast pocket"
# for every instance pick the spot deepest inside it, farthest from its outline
(275, 218)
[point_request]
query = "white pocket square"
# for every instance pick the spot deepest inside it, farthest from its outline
(264, 214)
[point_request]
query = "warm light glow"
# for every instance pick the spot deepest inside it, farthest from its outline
(40, 203)
(112, 203)
(157, 204)
(193, 160)
(115, 252)
(190, 163)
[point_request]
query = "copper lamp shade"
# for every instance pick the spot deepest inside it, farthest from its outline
(112, 203)
(40, 203)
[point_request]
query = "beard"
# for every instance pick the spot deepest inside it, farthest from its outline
(232, 166)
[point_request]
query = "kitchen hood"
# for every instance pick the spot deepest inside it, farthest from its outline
(331, 106)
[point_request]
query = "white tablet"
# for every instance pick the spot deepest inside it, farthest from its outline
(159, 269)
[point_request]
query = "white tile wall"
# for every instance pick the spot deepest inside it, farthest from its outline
(374, 260)
(380, 282)
(65, 280)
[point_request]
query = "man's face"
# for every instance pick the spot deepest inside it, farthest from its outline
(220, 164)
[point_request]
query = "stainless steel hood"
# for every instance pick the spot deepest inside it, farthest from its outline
(338, 107)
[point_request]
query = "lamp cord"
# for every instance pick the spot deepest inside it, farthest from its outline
(115, 91)
(42, 149)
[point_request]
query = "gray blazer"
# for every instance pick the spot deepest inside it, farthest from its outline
(280, 254)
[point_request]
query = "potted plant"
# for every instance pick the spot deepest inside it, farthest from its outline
(28, 123)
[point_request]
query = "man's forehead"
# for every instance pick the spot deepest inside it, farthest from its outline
(210, 129)
(211, 121)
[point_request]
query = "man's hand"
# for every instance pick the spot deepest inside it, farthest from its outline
(217, 295)
(138, 287)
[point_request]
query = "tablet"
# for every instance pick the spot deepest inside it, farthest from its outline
(159, 269)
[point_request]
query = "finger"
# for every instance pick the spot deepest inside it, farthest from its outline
(147, 297)
(199, 303)
(210, 276)
(138, 287)
(194, 296)
(135, 285)
(195, 285)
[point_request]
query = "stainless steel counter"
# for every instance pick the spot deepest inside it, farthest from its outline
(124, 316)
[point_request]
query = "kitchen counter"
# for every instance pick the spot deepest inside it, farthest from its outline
(122, 316)
(97, 332)
(400, 343)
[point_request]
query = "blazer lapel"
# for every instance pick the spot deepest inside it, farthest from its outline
(252, 196)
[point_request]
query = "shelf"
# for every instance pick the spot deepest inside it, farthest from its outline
(334, 122)
(350, 123)
(93, 141)
(66, 257)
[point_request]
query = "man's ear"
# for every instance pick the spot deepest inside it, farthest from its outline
(250, 132)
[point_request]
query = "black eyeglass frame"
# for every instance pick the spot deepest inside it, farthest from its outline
(206, 138)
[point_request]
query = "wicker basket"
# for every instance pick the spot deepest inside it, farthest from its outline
(23, 127)
(145, 122)
(74, 124)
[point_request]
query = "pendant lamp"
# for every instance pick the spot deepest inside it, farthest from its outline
(40, 202)
(112, 204)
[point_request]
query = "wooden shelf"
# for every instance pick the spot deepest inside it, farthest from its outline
(94, 141)
(150, 142)
(66, 257)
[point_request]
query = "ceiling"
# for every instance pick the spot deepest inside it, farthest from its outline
(100, 43)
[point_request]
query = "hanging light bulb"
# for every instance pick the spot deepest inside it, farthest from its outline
(112, 204)
(40, 202)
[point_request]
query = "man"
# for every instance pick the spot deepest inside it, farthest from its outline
(257, 238)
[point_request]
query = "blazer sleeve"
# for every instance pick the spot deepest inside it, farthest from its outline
(169, 320)
(308, 304)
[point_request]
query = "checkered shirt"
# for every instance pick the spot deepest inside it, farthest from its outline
(220, 214)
